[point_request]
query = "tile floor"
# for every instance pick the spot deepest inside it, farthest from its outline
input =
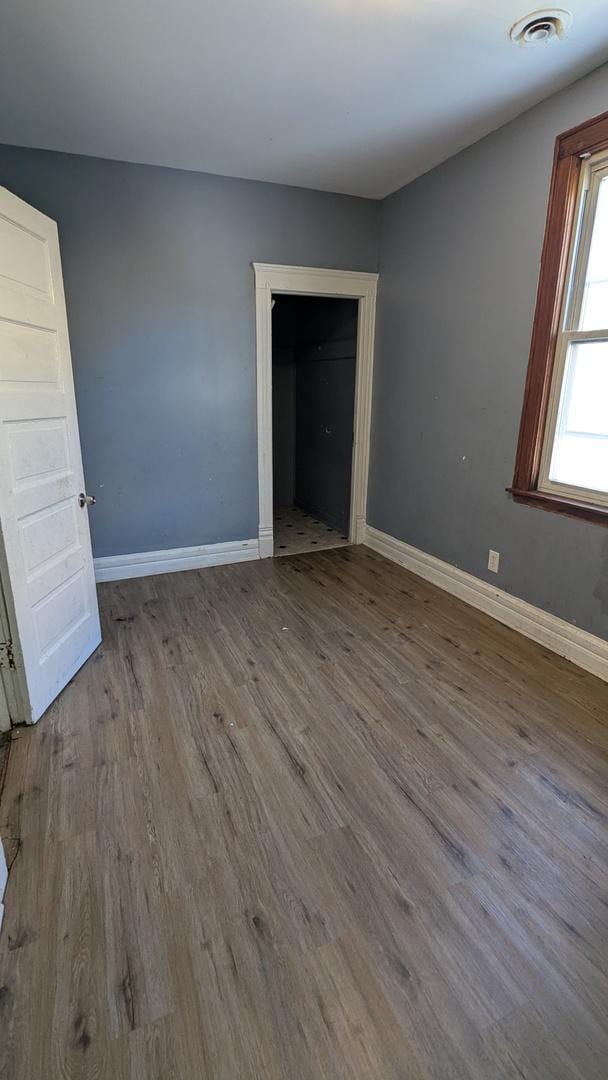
(295, 532)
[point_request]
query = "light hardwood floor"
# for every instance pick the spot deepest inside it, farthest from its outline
(308, 819)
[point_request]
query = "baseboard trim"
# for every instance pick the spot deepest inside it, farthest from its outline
(266, 541)
(144, 563)
(582, 648)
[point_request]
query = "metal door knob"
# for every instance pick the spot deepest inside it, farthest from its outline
(86, 500)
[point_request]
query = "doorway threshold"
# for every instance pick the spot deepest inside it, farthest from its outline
(296, 532)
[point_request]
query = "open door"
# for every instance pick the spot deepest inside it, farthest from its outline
(45, 552)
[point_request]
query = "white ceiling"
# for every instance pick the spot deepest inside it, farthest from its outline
(355, 96)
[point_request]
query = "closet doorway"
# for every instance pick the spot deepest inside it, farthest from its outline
(314, 357)
(315, 338)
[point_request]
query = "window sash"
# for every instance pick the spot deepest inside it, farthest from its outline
(592, 174)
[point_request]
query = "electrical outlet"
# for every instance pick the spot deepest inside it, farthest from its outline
(493, 560)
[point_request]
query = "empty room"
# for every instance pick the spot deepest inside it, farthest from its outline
(303, 540)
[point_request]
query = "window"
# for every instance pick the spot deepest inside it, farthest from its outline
(562, 456)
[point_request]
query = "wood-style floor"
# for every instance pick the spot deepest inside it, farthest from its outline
(308, 819)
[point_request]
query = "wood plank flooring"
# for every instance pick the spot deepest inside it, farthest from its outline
(308, 819)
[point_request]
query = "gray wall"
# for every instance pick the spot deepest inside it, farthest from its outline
(161, 312)
(459, 262)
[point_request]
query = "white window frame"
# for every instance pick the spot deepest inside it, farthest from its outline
(594, 170)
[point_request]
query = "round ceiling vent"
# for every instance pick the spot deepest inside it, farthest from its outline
(541, 26)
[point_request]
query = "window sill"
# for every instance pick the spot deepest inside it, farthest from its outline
(558, 504)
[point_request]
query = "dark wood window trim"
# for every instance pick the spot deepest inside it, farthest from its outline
(588, 138)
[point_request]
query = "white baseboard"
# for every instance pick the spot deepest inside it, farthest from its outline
(582, 648)
(144, 563)
(266, 541)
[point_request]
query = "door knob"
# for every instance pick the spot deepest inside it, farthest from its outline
(86, 500)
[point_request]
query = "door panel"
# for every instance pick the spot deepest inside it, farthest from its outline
(46, 547)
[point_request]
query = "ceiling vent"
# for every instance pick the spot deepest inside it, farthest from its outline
(541, 27)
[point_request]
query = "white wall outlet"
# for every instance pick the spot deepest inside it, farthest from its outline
(493, 560)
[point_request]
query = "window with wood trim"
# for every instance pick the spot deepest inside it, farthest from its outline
(562, 454)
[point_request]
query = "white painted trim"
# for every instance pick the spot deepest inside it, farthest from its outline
(144, 563)
(582, 648)
(314, 281)
(266, 542)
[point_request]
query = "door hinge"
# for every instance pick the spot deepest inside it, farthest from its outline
(7, 659)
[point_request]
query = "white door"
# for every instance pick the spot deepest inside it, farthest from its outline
(47, 566)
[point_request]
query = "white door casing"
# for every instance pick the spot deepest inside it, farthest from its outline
(46, 560)
(10, 704)
(314, 281)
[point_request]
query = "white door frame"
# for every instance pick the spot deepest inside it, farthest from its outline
(312, 281)
(13, 687)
